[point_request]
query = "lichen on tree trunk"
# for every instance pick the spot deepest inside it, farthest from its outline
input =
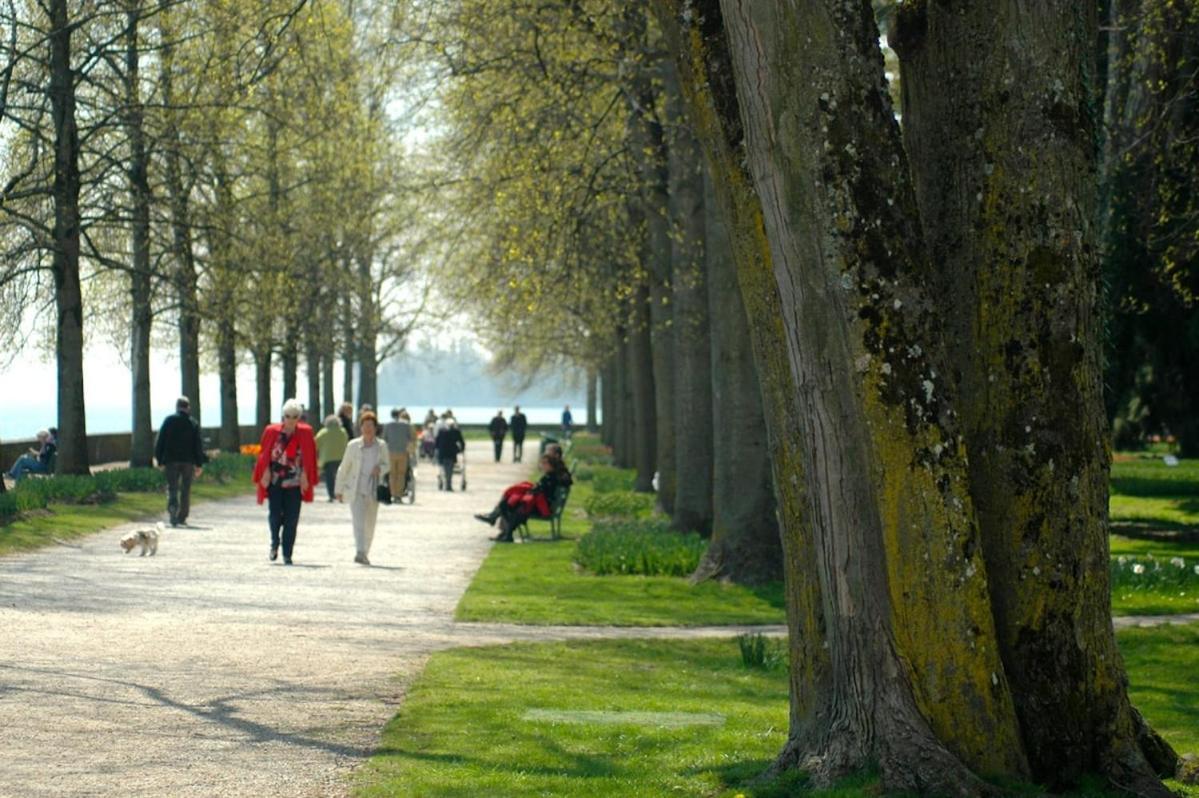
(1001, 128)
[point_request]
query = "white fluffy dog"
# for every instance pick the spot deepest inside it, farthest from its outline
(146, 538)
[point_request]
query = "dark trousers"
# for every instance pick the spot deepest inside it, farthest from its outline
(331, 477)
(499, 447)
(179, 490)
(447, 469)
(283, 515)
(518, 448)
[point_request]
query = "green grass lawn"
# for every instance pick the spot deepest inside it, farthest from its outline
(537, 583)
(69, 521)
(578, 719)
(514, 720)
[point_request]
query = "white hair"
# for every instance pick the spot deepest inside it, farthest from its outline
(292, 407)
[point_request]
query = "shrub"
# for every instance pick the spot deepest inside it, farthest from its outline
(619, 504)
(606, 479)
(648, 550)
(759, 651)
(130, 480)
(64, 489)
(587, 449)
(226, 467)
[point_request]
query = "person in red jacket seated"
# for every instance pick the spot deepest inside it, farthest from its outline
(524, 499)
(286, 474)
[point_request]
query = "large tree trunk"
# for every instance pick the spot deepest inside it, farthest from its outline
(136, 173)
(696, 35)
(290, 361)
(184, 275)
(644, 438)
(607, 406)
(592, 399)
(365, 340)
(691, 415)
(745, 545)
(647, 142)
(226, 343)
(262, 383)
(1010, 219)
(910, 638)
(68, 298)
(313, 358)
(328, 400)
(349, 345)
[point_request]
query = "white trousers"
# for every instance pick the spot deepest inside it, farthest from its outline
(364, 510)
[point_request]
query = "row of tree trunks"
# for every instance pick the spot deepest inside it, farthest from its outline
(745, 543)
(914, 630)
(694, 32)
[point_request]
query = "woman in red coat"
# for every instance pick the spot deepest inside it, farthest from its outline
(524, 499)
(285, 474)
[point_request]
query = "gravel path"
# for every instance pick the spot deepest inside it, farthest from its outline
(208, 671)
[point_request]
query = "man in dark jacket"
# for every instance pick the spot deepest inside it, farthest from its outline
(519, 425)
(498, 429)
(449, 444)
(180, 453)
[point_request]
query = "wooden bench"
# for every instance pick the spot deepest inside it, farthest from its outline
(557, 507)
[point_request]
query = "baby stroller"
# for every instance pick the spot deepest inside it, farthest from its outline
(459, 468)
(409, 485)
(428, 441)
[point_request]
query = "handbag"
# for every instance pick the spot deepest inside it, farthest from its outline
(383, 493)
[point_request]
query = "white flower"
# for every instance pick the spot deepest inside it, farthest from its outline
(1138, 569)
(1178, 562)
(1122, 560)
(1197, 570)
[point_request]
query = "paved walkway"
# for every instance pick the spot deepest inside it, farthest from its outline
(208, 671)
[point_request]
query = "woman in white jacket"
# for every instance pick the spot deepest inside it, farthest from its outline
(362, 467)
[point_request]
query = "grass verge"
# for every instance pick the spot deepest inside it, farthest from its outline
(70, 521)
(538, 583)
(578, 719)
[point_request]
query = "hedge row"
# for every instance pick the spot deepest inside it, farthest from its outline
(37, 493)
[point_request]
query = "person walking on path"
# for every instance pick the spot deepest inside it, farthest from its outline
(398, 435)
(330, 448)
(449, 444)
(567, 423)
(179, 451)
(519, 425)
(365, 463)
(345, 414)
(35, 461)
(498, 429)
(286, 476)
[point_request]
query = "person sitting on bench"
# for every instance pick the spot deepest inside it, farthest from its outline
(35, 461)
(525, 500)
